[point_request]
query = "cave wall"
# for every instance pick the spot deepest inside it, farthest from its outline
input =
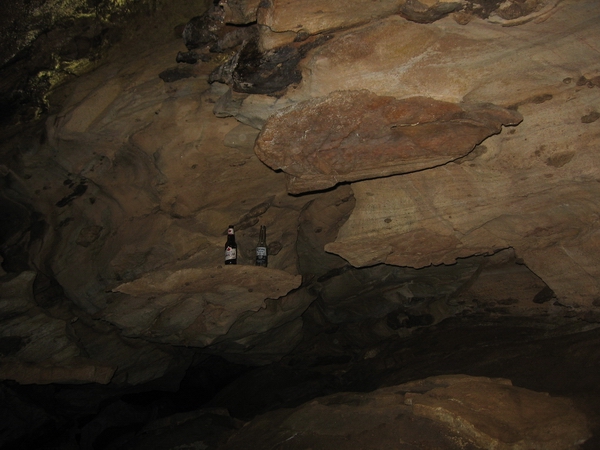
(410, 163)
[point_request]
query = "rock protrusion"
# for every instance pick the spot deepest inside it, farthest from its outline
(195, 306)
(448, 411)
(358, 135)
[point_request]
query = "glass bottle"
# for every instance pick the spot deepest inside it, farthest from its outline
(230, 247)
(261, 248)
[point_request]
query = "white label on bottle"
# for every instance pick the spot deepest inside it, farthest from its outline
(261, 252)
(230, 253)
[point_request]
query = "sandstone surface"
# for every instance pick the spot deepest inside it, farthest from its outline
(34, 346)
(453, 412)
(194, 306)
(477, 62)
(143, 181)
(143, 164)
(515, 176)
(443, 162)
(349, 136)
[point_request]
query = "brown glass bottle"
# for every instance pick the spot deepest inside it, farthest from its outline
(261, 248)
(230, 247)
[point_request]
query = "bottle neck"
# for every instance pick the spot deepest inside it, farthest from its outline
(262, 237)
(230, 236)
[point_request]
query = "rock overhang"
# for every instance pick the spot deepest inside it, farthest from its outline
(492, 195)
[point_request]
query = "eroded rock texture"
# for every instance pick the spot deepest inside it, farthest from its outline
(530, 204)
(349, 136)
(194, 306)
(45, 44)
(466, 150)
(451, 412)
(34, 346)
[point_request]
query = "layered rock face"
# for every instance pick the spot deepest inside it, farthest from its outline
(484, 202)
(441, 150)
(44, 44)
(413, 162)
(350, 136)
(449, 412)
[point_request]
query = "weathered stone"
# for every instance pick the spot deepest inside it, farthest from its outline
(504, 287)
(35, 347)
(203, 29)
(263, 336)
(176, 74)
(317, 16)
(73, 371)
(89, 235)
(239, 12)
(234, 37)
(178, 171)
(136, 176)
(516, 12)
(195, 306)
(270, 40)
(519, 192)
(254, 71)
(242, 136)
(257, 73)
(350, 295)
(259, 281)
(251, 110)
(318, 223)
(450, 412)
(427, 11)
(451, 62)
(283, 22)
(119, 229)
(349, 136)
(495, 414)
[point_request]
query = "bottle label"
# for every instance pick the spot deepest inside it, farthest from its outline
(261, 256)
(230, 253)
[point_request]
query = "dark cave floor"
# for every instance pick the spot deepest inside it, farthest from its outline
(537, 354)
(562, 360)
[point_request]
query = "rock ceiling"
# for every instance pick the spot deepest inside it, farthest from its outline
(424, 154)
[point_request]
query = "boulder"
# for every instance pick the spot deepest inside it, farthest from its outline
(351, 136)
(194, 306)
(448, 411)
(525, 189)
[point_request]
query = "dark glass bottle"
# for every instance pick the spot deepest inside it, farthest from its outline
(261, 248)
(230, 247)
